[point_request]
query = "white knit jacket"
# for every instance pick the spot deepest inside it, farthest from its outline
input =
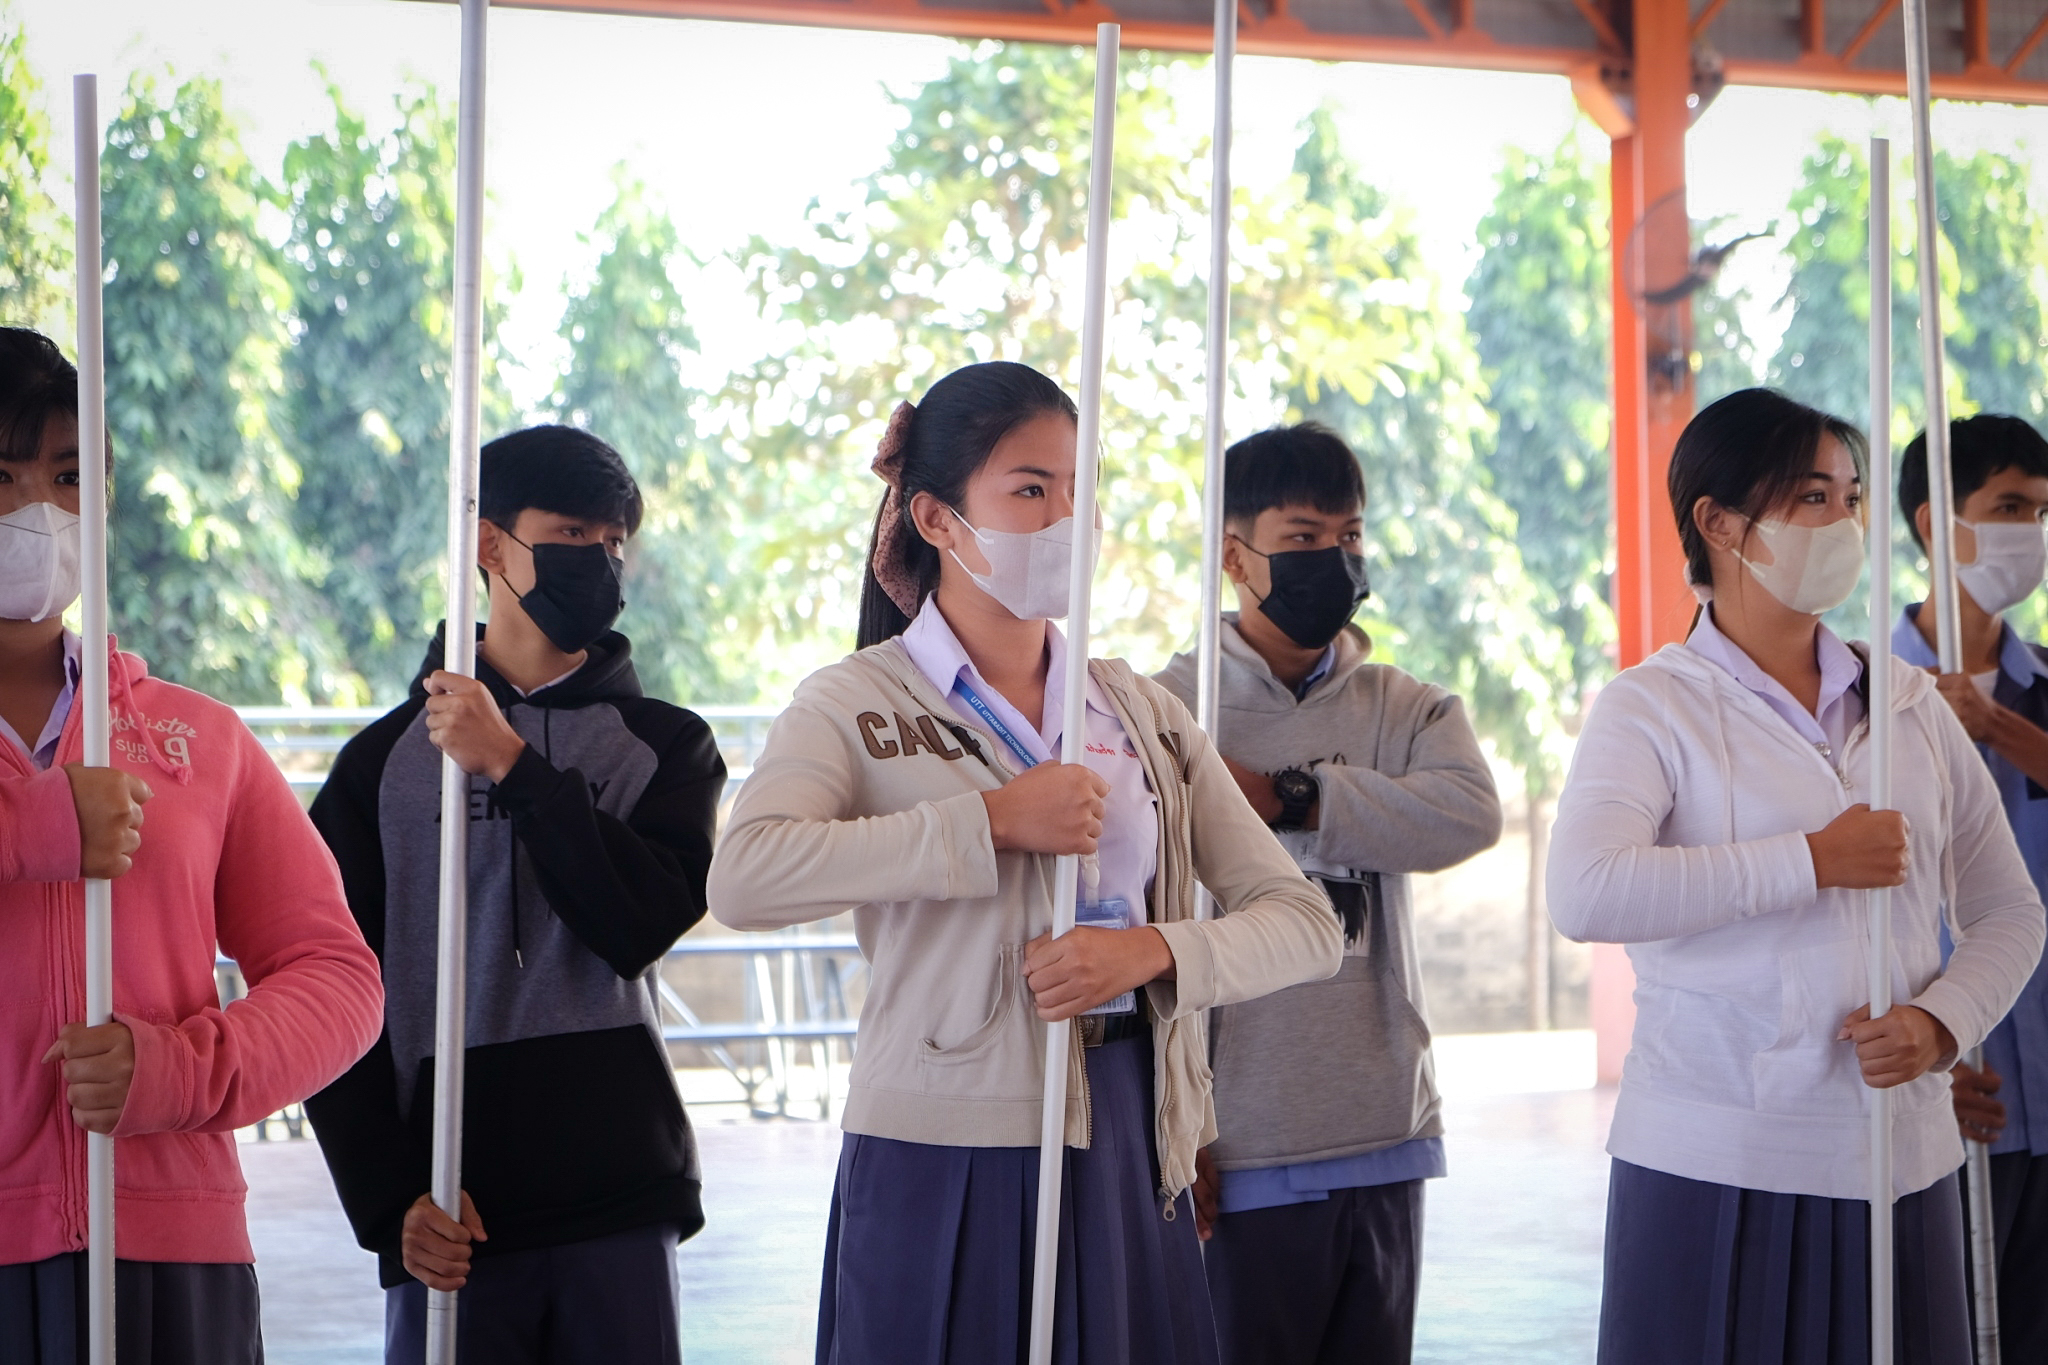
(1682, 833)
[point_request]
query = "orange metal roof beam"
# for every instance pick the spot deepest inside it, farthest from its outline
(1462, 44)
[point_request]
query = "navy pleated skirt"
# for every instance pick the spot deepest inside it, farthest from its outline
(1703, 1274)
(928, 1255)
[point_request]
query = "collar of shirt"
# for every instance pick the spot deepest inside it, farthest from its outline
(44, 751)
(2015, 660)
(943, 660)
(551, 682)
(1318, 673)
(1829, 723)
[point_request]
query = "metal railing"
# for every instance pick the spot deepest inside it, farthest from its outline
(799, 988)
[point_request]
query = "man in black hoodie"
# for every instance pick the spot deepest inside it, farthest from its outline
(591, 817)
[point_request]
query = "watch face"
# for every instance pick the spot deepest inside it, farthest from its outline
(1294, 785)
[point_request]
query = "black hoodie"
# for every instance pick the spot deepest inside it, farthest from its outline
(586, 864)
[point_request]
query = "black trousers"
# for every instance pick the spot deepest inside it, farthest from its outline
(2019, 1222)
(164, 1313)
(1331, 1282)
(608, 1301)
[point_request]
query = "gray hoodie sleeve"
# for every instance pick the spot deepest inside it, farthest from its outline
(1440, 810)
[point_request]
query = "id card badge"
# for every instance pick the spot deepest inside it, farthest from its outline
(1109, 914)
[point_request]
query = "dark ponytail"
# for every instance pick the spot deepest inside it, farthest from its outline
(1749, 452)
(949, 438)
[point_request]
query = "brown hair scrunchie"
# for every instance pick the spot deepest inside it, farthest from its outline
(887, 563)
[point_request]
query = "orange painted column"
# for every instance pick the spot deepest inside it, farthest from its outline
(1653, 400)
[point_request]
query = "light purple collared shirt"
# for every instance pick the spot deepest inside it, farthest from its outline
(1128, 853)
(1840, 708)
(44, 751)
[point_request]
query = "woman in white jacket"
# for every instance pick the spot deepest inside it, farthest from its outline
(1715, 822)
(915, 783)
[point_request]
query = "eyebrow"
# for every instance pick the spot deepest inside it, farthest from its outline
(1829, 478)
(1031, 469)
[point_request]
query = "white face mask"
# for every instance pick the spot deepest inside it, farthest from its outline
(2012, 558)
(1813, 568)
(1030, 572)
(38, 562)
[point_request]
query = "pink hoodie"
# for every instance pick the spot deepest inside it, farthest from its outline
(227, 857)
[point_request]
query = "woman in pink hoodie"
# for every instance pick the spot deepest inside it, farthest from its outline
(228, 859)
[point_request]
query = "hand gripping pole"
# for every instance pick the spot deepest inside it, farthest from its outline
(97, 722)
(459, 641)
(1073, 736)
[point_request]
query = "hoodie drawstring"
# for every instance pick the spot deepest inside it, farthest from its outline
(121, 699)
(547, 751)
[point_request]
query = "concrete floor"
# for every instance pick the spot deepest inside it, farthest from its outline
(1512, 1250)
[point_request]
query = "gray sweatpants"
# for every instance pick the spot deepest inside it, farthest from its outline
(164, 1313)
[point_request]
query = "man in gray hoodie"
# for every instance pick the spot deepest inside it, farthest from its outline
(1327, 1112)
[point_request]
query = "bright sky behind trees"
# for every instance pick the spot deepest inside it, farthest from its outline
(734, 128)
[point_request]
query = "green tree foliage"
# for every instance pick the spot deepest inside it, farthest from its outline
(967, 245)
(366, 380)
(1540, 317)
(1991, 305)
(627, 333)
(1997, 334)
(1452, 602)
(209, 575)
(35, 236)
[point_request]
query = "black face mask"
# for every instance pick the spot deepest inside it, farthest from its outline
(575, 596)
(1314, 592)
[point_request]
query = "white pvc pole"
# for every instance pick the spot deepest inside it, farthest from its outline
(1878, 499)
(92, 553)
(1947, 621)
(1052, 1136)
(459, 653)
(1208, 635)
(1207, 640)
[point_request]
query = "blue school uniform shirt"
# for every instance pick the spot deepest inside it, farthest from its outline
(1305, 1182)
(2018, 1048)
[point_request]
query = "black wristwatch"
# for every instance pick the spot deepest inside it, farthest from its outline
(1298, 790)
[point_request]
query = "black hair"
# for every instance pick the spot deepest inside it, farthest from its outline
(556, 469)
(1748, 452)
(1978, 447)
(1305, 465)
(951, 435)
(35, 382)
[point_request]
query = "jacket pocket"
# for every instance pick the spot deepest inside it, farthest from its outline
(1805, 1071)
(1003, 1005)
(1321, 1069)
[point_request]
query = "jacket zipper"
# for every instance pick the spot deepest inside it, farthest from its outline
(70, 1139)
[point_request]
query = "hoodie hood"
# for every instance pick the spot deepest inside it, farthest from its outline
(1247, 681)
(607, 673)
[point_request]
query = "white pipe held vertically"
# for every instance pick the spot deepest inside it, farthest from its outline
(1878, 501)
(1208, 645)
(1073, 736)
(1947, 619)
(93, 695)
(459, 654)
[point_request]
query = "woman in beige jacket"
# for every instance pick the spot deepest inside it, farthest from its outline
(914, 783)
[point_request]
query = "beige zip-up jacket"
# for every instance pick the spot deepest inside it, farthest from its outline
(868, 796)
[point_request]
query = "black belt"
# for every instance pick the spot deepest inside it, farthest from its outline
(1097, 1029)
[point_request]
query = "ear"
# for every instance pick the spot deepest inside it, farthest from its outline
(935, 522)
(1923, 522)
(490, 546)
(1233, 557)
(1721, 528)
